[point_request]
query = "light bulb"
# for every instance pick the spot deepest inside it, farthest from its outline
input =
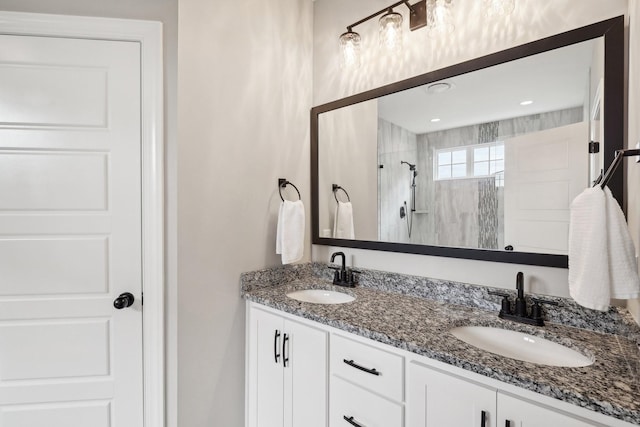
(439, 17)
(390, 32)
(499, 8)
(350, 49)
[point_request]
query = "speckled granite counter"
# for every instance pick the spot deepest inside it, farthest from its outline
(415, 314)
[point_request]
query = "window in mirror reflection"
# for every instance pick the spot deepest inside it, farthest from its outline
(471, 161)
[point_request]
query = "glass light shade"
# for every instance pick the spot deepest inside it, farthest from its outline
(391, 32)
(439, 17)
(499, 8)
(350, 49)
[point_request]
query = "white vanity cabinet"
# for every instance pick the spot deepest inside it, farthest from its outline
(303, 373)
(286, 370)
(436, 399)
(515, 412)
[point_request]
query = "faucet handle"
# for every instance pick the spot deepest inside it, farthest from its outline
(504, 294)
(536, 308)
(506, 304)
(352, 277)
(336, 274)
(543, 301)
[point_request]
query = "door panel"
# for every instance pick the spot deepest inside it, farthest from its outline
(521, 413)
(53, 181)
(305, 377)
(544, 171)
(71, 415)
(58, 271)
(45, 95)
(267, 342)
(70, 232)
(87, 354)
(437, 399)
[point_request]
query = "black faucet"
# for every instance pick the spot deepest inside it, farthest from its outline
(343, 276)
(521, 303)
(520, 312)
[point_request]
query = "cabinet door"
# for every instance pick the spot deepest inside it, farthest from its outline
(305, 375)
(436, 399)
(514, 412)
(265, 370)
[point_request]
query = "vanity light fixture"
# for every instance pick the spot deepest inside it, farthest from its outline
(439, 19)
(436, 15)
(390, 30)
(499, 8)
(350, 49)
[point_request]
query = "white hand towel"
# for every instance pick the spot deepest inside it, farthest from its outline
(601, 254)
(290, 231)
(343, 221)
(623, 268)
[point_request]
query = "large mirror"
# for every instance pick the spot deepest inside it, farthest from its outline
(480, 160)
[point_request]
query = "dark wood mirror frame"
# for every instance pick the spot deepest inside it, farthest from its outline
(613, 32)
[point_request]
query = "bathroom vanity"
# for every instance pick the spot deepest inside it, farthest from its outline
(387, 358)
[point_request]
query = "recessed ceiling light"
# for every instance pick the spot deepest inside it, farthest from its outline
(526, 103)
(439, 87)
(435, 120)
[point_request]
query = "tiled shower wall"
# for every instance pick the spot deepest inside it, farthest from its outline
(463, 213)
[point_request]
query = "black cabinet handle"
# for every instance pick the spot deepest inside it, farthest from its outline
(351, 421)
(483, 418)
(362, 368)
(285, 359)
(275, 345)
(507, 423)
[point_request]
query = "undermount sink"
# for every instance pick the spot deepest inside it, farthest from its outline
(520, 346)
(321, 296)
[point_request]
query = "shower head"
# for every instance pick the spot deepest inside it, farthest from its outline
(411, 166)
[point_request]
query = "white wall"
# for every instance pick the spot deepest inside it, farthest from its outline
(243, 111)
(474, 36)
(165, 11)
(348, 141)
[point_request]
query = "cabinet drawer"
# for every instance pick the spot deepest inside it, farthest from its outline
(366, 408)
(370, 367)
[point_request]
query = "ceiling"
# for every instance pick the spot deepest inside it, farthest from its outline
(553, 80)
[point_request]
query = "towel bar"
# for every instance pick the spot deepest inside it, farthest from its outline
(282, 183)
(604, 179)
(335, 188)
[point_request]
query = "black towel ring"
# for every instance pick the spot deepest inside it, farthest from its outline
(335, 188)
(282, 182)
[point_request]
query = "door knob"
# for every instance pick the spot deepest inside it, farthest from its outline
(124, 300)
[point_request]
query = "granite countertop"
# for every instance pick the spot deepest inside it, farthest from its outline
(390, 309)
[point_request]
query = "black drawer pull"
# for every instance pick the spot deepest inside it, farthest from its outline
(285, 358)
(483, 419)
(362, 368)
(275, 345)
(351, 421)
(507, 423)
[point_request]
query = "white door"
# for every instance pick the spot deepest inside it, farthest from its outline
(266, 358)
(305, 376)
(70, 233)
(436, 399)
(513, 412)
(543, 172)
